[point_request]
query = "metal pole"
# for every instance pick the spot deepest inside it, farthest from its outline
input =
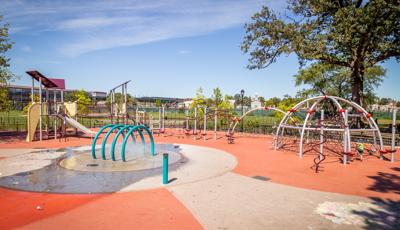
(55, 112)
(345, 138)
(159, 119)
(41, 109)
(163, 115)
(205, 123)
(187, 118)
(195, 123)
(242, 128)
(393, 135)
(111, 107)
(47, 112)
(165, 168)
(215, 124)
(321, 145)
(32, 90)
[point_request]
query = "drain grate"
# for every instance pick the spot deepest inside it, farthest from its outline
(92, 165)
(263, 178)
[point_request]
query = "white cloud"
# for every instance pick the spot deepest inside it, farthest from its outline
(88, 26)
(184, 51)
(26, 49)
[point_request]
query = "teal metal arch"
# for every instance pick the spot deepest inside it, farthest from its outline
(138, 128)
(97, 137)
(103, 144)
(121, 131)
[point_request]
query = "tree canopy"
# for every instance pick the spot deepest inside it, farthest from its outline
(5, 45)
(355, 34)
(328, 79)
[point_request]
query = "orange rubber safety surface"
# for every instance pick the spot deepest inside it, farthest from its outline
(159, 209)
(151, 209)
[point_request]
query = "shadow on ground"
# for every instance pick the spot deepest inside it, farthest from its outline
(387, 213)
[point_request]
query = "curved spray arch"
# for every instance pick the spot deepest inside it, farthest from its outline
(121, 128)
(137, 128)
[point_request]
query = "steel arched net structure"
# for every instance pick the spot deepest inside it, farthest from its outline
(327, 122)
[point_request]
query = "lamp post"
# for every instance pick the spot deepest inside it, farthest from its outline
(242, 95)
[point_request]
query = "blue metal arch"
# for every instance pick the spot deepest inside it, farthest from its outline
(121, 131)
(139, 129)
(103, 144)
(97, 137)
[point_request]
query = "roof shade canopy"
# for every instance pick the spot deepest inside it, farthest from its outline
(47, 82)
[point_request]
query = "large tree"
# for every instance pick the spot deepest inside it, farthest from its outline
(5, 73)
(329, 79)
(355, 34)
(5, 45)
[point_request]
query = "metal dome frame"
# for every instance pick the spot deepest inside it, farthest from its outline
(346, 130)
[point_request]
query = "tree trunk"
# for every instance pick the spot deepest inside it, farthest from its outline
(358, 89)
(357, 77)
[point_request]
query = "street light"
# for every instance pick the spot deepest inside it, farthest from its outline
(242, 95)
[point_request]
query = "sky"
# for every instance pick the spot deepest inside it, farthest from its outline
(167, 48)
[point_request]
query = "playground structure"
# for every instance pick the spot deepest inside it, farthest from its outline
(196, 124)
(236, 120)
(126, 131)
(50, 109)
(329, 119)
(119, 110)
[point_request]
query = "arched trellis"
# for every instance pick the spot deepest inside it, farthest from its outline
(236, 121)
(343, 113)
(121, 130)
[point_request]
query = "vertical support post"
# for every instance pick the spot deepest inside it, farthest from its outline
(126, 104)
(321, 139)
(47, 112)
(33, 90)
(41, 109)
(62, 96)
(137, 116)
(159, 119)
(163, 116)
(111, 106)
(55, 112)
(165, 168)
(187, 119)
(215, 124)
(346, 143)
(393, 135)
(205, 123)
(195, 123)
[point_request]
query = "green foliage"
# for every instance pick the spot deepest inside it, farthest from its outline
(273, 101)
(238, 100)
(384, 101)
(199, 101)
(352, 34)
(285, 104)
(5, 45)
(5, 102)
(158, 103)
(35, 99)
(83, 100)
(216, 98)
(327, 79)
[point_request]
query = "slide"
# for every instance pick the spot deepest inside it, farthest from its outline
(72, 122)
